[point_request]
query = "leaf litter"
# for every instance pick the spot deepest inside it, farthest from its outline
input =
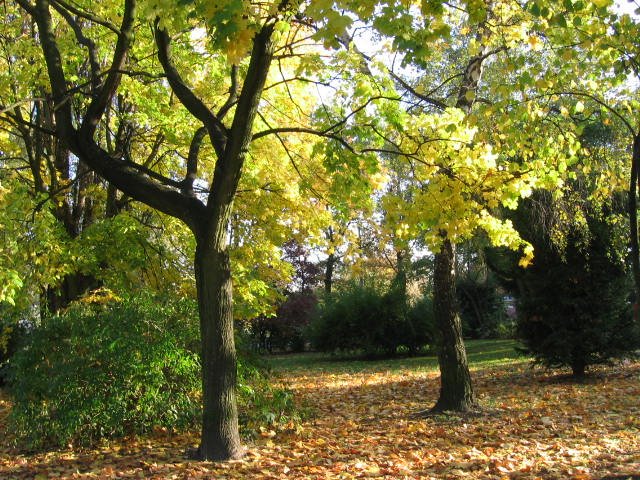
(532, 425)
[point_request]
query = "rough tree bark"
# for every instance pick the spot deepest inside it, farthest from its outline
(456, 388)
(633, 220)
(329, 267)
(220, 439)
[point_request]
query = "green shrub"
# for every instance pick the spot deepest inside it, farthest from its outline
(363, 320)
(423, 324)
(285, 331)
(261, 405)
(123, 368)
(481, 307)
(99, 371)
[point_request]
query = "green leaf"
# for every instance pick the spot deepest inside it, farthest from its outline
(535, 9)
(560, 20)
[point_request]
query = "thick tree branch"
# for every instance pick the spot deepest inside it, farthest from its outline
(228, 168)
(53, 58)
(233, 93)
(153, 174)
(125, 177)
(217, 131)
(27, 6)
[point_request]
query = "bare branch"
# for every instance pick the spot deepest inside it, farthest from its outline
(298, 79)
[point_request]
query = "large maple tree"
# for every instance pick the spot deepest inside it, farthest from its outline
(246, 40)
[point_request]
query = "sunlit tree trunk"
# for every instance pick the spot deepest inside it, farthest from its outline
(456, 390)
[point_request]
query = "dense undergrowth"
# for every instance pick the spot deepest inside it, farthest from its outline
(119, 368)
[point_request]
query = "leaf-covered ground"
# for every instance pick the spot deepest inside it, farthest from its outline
(533, 425)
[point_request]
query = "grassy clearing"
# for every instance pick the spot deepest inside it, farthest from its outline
(481, 354)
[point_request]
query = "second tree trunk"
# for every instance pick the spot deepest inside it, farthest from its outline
(456, 390)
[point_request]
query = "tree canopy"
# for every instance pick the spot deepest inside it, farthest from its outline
(178, 145)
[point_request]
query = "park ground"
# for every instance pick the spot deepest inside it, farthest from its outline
(361, 422)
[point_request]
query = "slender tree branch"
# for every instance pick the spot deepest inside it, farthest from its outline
(153, 174)
(233, 93)
(82, 40)
(359, 109)
(105, 94)
(86, 15)
(299, 79)
(8, 108)
(422, 96)
(603, 104)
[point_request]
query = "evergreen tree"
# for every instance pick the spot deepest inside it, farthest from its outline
(574, 307)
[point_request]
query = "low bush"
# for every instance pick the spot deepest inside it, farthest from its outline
(285, 332)
(482, 309)
(423, 324)
(128, 367)
(363, 320)
(99, 371)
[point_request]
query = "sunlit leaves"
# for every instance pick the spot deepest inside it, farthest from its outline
(10, 285)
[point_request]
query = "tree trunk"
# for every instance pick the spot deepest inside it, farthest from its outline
(400, 280)
(70, 289)
(578, 368)
(633, 220)
(331, 262)
(220, 438)
(328, 273)
(456, 390)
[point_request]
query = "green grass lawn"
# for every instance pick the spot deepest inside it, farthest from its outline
(481, 354)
